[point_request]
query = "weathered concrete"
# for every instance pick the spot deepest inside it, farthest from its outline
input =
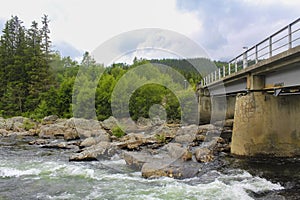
(214, 108)
(266, 125)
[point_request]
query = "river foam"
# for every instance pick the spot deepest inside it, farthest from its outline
(108, 180)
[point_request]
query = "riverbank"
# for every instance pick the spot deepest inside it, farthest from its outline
(150, 146)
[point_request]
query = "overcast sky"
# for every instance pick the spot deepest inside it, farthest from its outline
(221, 27)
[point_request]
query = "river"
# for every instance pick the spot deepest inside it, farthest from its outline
(31, 172)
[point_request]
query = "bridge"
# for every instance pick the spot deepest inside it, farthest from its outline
(260, 89)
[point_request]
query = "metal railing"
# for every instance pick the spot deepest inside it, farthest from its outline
(284, 39)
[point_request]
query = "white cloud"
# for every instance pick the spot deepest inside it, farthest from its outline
(222, 27)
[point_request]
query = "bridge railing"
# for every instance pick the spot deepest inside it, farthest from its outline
(284, 39)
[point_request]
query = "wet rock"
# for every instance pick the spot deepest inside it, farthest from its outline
(204, 155)
(61, 145)
(99, 151)
(39, 142)
(173, 170)
(226, 135)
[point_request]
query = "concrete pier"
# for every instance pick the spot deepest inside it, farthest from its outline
(266, 125)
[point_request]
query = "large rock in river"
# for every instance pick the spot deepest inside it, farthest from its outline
(99, 151)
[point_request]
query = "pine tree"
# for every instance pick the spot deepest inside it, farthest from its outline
(45, 31)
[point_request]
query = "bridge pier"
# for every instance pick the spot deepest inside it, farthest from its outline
(215, 108)
(266, 125)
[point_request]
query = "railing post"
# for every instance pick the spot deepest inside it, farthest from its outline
(256, 54)
(270, 47)
(229, 70)
(290, 35)
(216, 75)
(224, 72)
(235, 65)
(219, 73)
(245, 63)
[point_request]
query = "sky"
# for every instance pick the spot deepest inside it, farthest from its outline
(220, 27)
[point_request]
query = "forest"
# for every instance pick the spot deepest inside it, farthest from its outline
(36, 81)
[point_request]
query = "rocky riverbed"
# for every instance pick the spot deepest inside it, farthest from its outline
(86, 159)
(151, 146)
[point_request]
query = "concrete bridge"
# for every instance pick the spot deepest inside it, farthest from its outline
(260, 89)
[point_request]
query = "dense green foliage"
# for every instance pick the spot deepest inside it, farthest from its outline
(36, 81)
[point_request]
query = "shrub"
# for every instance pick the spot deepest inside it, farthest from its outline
(27, 125)
(118, 132)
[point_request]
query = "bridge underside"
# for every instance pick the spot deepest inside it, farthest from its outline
(265, 103)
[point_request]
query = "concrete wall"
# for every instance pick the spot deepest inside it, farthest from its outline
(266, 125)
(214, 108)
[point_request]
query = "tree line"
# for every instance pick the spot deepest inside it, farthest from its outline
(36, 81)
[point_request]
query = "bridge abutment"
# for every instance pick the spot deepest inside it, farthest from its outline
(215, 108)
(266, 125)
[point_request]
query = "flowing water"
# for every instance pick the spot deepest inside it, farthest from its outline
(31, 172)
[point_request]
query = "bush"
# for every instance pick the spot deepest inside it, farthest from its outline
(27, 125)
(118, 132)
(161, 138)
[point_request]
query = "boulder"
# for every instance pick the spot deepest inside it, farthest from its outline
(136, 160)
(52, 131)
(16, 123)
(89, 142)
(178, 152)
(3, 132)
(93, 133)
(50, 119)
(225, 123)
(94, 140)
(98, 151)
(134, 141)
(109, 123)
(186, 134)
(173, 170)
(2, 123)
(204, 155)
(71, 134)
(207, 127)
(144, 122)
